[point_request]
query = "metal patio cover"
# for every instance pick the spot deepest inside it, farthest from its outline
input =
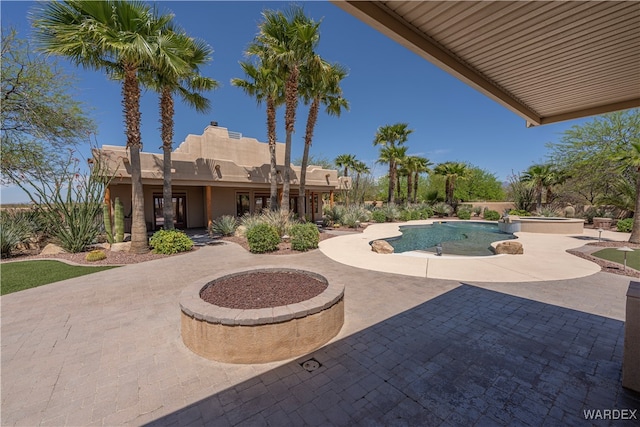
(547, 61)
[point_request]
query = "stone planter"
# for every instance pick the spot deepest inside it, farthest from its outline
(259, 335)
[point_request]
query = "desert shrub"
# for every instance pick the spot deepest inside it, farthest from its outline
(477, 210)
(491, 215)
(262, 238)
(170, 242)
(332, 215)
(279, 220)
(425, 212)
(625, 225)
(442, 209)
(548, 212)
(304, 236)
(249, 220)
(353, 215)
(464, 213)
(225, 225)
(95, 255)
(519, 212)
(378, 216)
(405, 214)
(16, 227)
(391, 212)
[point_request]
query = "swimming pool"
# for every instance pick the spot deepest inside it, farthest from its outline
(456, 238)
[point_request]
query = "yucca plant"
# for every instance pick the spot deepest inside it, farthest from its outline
(225, 225)
(280, 220)
(16, 227)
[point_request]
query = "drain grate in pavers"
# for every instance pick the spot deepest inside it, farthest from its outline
(310, 365)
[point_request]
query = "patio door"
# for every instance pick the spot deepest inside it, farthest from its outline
(179, 211)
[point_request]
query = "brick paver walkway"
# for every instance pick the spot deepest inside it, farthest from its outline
(105, 349)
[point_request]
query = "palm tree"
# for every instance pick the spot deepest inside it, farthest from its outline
(264, 83)
(359, 168)
(452, 171)
(118, 37)
(345, 161)
(319, 84)
(390, 155)
(540, 176)
(181, 75)
(388, 136)
(288, 40)
(421, 166)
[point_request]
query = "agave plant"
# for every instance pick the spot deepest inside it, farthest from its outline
(225, 225)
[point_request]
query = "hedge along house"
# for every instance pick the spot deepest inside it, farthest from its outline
(217, 173)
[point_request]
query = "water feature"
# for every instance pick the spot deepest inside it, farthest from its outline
(456, 238)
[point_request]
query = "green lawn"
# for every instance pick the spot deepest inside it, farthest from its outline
(17, 276)
(612, 254)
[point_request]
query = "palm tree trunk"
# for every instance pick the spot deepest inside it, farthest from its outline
(291, 103)
(166, 113)
(131, 97)
(308, 136)
(635, 231)
(539, 198)
(273, 172)
(415, 187)
(409, 186)
(392, 181)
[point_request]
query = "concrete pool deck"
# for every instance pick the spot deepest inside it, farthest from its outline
(545, 257)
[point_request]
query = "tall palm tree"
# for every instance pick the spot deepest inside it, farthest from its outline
(346, 161)
(319, 85)
(540, 176)
(288, 40)
(452, 171)
(387, 137)
(390, 155)
(412, 166)
(118, 37)
(265, 84)
(421, 166)
(182, 78)
(359, 168)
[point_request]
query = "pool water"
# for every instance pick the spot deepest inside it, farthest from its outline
(456, 238)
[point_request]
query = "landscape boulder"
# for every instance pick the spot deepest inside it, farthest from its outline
(52, 249)
(510, 248)
(381, 247)
(121, 247)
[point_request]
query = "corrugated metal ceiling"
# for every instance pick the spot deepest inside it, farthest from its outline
(546, 60)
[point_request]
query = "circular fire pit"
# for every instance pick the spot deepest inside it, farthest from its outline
(259, 335)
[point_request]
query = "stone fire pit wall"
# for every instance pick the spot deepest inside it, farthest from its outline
(260, 335)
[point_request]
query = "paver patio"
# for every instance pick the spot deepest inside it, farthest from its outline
(105, 349)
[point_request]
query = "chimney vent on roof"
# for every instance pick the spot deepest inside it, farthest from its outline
(214, 124)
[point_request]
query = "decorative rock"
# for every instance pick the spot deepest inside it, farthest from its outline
(511, 248)
(381, 247)
(121, 247)
(52, 249)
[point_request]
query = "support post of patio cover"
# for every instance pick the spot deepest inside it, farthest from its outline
(631, 357)
(208, 206)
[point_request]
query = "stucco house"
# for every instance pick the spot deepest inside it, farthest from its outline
(217, 173)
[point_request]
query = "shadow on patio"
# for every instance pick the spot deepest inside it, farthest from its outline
(468, 357)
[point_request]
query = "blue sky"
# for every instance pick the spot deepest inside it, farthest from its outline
(386, 84)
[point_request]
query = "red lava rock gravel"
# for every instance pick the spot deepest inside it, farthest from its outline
(262, 289)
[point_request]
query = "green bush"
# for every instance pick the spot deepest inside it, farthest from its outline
(442, 209)
(16, 226)
(464, 213)
(95, 255)
(354, 215)
(425, 212)
(170, 242)
(625, 225)
(304, 236)
(477, 210)
(519, 212)
(378, 216)
(405, 215)
(332, 215)
(225, 225)
(262, 238)
(491, 215)
(391, 211)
